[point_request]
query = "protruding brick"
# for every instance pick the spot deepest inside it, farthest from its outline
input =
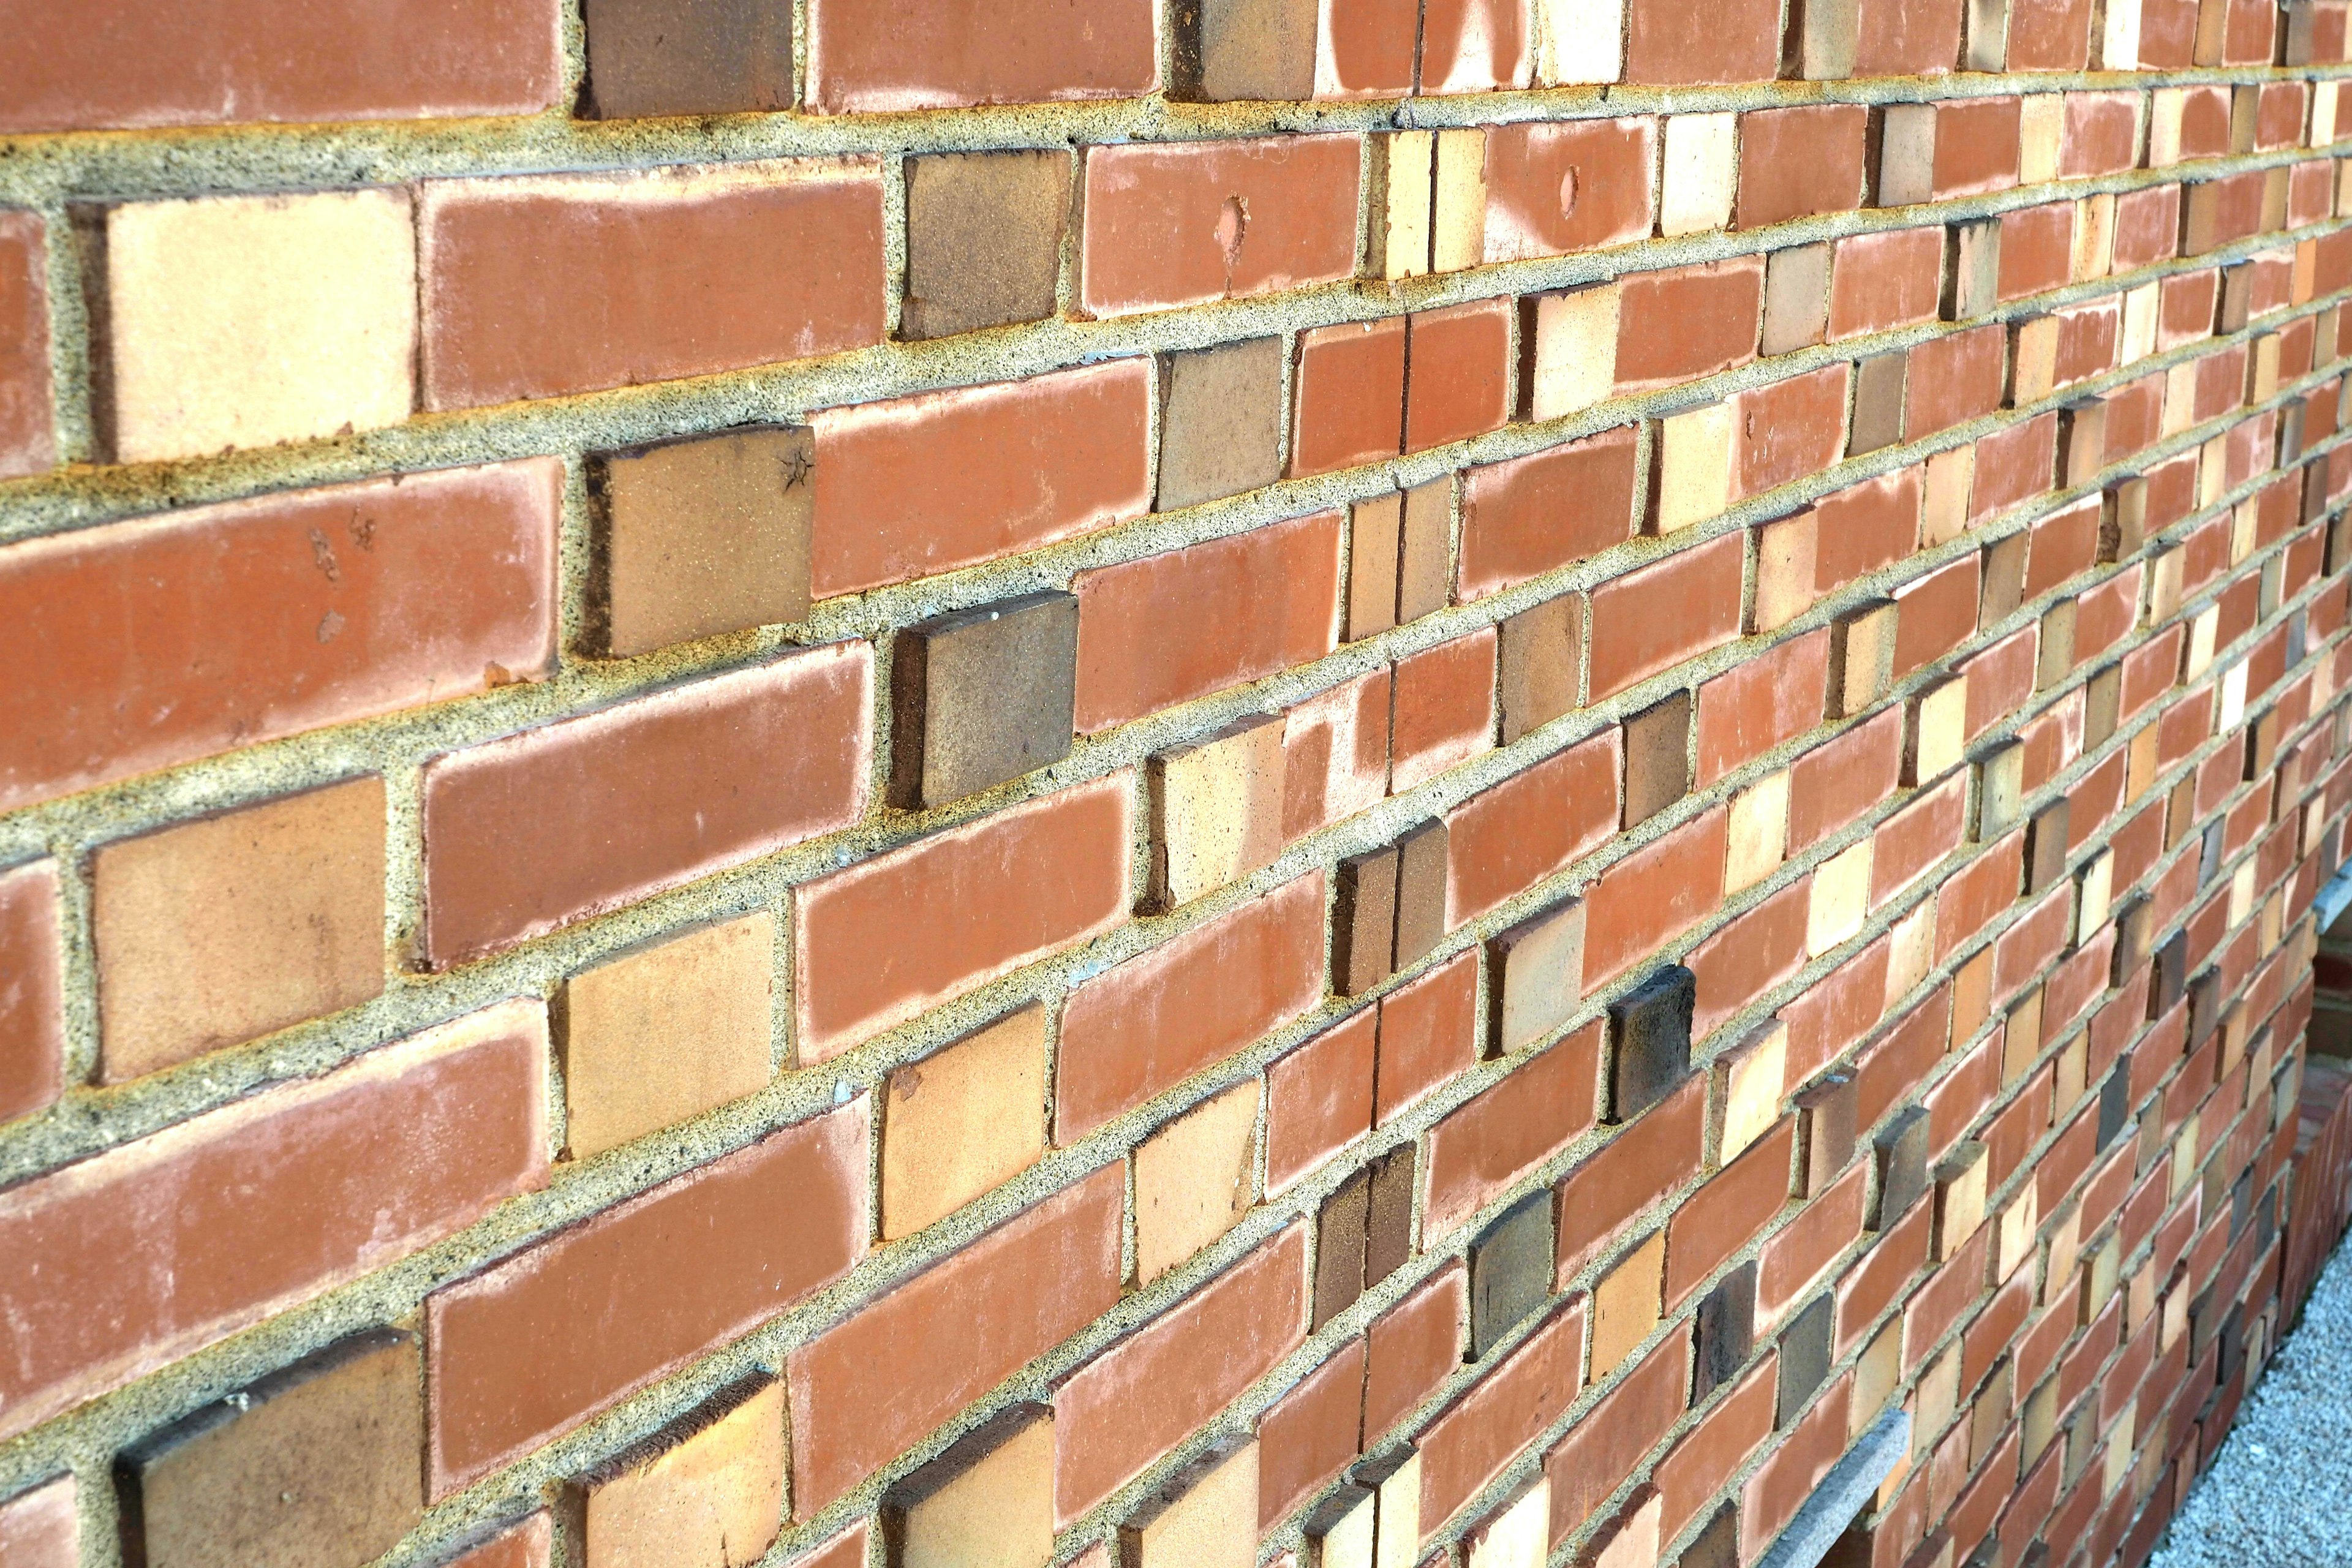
(663, 1033)
(1900, 1150)
(983, 696)
(705, 536)
(961, 1121)
(537, 830)
(1648, 1044)
(1194, 1180)
(708, 1488)
(983, 239)
(1221, 422)
(986, 1502)
(1205, 1515)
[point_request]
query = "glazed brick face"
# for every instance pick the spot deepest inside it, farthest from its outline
(1070, 790)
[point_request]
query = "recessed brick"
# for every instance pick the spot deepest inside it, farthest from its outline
(1796, 298)
(1569, 341)
(1725, 1326)
(1533, 969)
(937, 53)
(1220, 418)
(877, 1383)
(963, 1121)
(1250, 50)
(1217, 808)
(989, 1499)
(670, 56)
(551, 285)
(1194, 1180)
(1274, 591)
(707, 1487)
(664, 1033)
(540, 829)
(1701, 174)
(982, 696)
(1657, 757)
(1649, 1041)
(983, 239)
(1804, 1357)
(190, 1235)
(1184, 223)
(1341, 1225)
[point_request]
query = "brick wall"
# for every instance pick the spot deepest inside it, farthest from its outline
(903, 781)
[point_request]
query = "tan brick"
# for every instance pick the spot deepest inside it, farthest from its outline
(1701, 173)
(249, 320)
(1626, 1304)
(319, 1464)
(216, 931)
(965, 1120)
(1749, 1079)
(1194, 1180)
(1862, 656)
(1519, 1533)
(1221, 422)
(1457, 221)
(1786, 569)
(1204, 1518)
(983, 239)
(987, 1503)
(1840, 900)
(1574, 362)
(1757, 836)
(1541, 659)
(705, 537)
(1375, 534)
(707, 1493)
(1693, 466)
(2016, 1240)
(1935, 730)
(665, 1032)
(1216, 809)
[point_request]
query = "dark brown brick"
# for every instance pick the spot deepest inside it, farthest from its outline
(983, 239)
(983, 696)
(688, 56)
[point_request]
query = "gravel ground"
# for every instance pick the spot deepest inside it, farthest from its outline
(2281, 1494)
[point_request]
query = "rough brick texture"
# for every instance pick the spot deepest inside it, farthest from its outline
(1005, 780)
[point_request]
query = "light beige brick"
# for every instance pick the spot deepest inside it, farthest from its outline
(1394, 1478)
(1702, 172)
(1518, 1535)
(1960, 1196)
(1575, 359)
(1796, 298)
(1578, 42)
(1193, 1180)
(707, 1493)
(249, 320)
(1840, 898)
(2016, 1237)
(2033, 359)
(219, 930)
(1944, 513)
(1785, 557)
(987, 1503)
(1216, 809)
(1694, 466)
(2094, 890)
(1626, 1303)
(1935, 729)
(1862, 656)
(1876, 1372)
(965, 1119)
(1404, 169)
(1341, 1530)
(1910, 952)
(665, 1032)
(1758, 833)
(1205, 1518)
(1906, 154)
(1749, 1079)
(1631, 1538)
(1457, 217)
(2040, 122)
(2094, 237)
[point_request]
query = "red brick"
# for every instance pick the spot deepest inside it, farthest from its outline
(122, 64)
(1773, 698)
(1428, 1036)
(1457, 372)
(551, 285)
(1689, 321)
(1318, 1098)
(1530, 515)
(1618, 1433)
(1187, 222)
(1413, 1346)
(578, 1322)
(1865, 527)
(1490, 1141)
(27, 441)
(1669, 44)
(1167, 628)
(32, 987)
(1789, 1475)
(880, 56)
(1917, 837)
(1158, 1018)
(1935, 614)
(2000, 679)
(1880, 281)
(1906, 38)
(1486, 1428)
(1797, 1257)
(1506, 840)
(1841, 779)
(1652, 1156)
(1717, 1445)
(1130, 1405)
(1368, 51)
(40, 1528)
(1789, 430)
(1445, 709)
(2064, 544)
(1750, 955)
(1837, 1010)
(880, 942)
(126, 1261)
(1977, 142)
(2147, 226)
(1652, 896)
(535, 831)
(1349, 395)
(1977, 893)
(1655, 617)
(428, 587)
(920, 485)
(1881, 1275)
(2030, 945)
(1727, 1212)
(2036, 250)
(1953, 379)
(1794, 162)
(2050, 35)
(877, 1384)
(1310, 1434)
(2101, 134)
(1555, 188)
